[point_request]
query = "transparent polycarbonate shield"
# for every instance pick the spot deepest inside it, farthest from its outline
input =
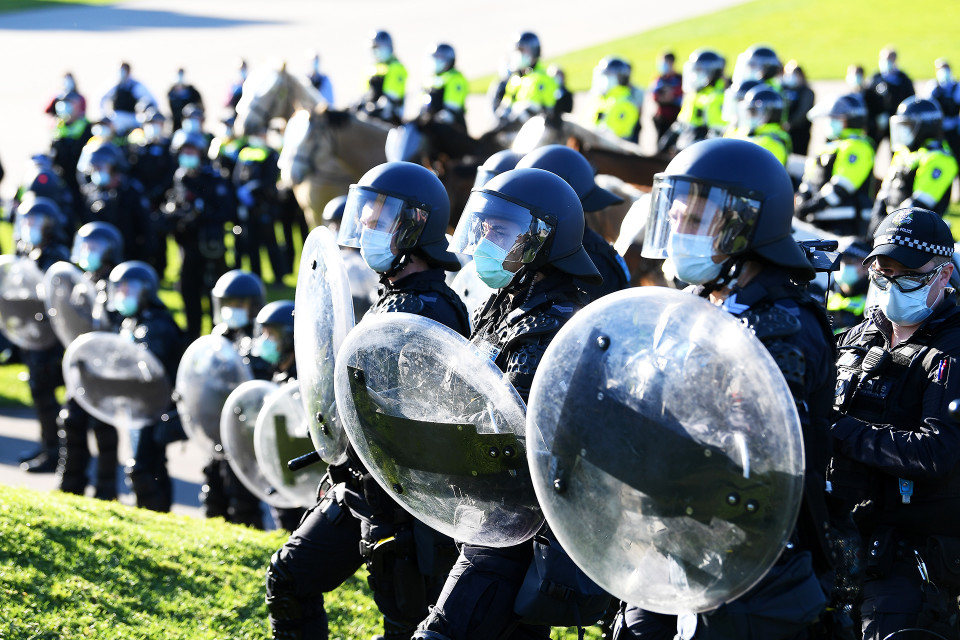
(471, 289)
(280, 435)
(209, 370)
(116, 380)
(439, 427)
(71, 303)
(665, 449)
(364, 281)
(23, 318)
(323, 315)
(238, 420)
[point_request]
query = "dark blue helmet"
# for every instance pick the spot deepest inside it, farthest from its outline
(444, 54)
(278, 317)
(238, 289)
(40, 221)
(529, 42)
(333, 210)
(97, 246)
(569, 164)
(132, 287)
(495, 165)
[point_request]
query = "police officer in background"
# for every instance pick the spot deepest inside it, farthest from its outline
(197, 207)
(132, 292)
(238, 296)
(701, 112)
(667, 92)
(886, 89)
(72, 132)
(97, 249)
(847, 300)
(840, 174)
(524, 229)
(722, 213)
(618, 102)
(799, 98)
(255, 181)
(761, 121)
(527, 89)
(570, 165)
(397, 214)
(41, 237)
(153, 165)
(923, 168)
(445, 91)
(320, 81)
(180, 94)
(120, 102)
(945, 91)
(387, 84)
(896, 446)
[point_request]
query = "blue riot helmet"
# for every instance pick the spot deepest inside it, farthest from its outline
(760, 105)
(522, 221)
(132, 287)
(97, 246)
(495, 165)
(105, 160)
(382, 45)
(39, 222)
(333, 212)
(610, 72)
(527, 48)
(718, 202)
(238, 296)
(702, 69)
(845, 112)
(569, 164)
(916, 121)
(396, 209)
(444, 57)
(273, 332)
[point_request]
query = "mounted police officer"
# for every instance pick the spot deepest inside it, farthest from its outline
(524, 229)
(387, 84)
(923, 168)
(839, 175)
(895, 444)
(132, 292)
(397, 215)
(445, 91)
(527, 89)
(618, 103)
(722, 212)
(760, 121)
(701, 111)
(97, 249)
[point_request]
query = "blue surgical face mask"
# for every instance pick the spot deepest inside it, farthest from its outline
(188, 161)
(663, 66)
(267, 349)
(488, 257)
(64, 109)
(692, 256)
(886, 66)
(234, 317)
(100, 178)
(34, 236)
(944, 77)
(834, 129)
(439, 66)
(125, 305)
(381, 54)
(90, 262)
(375, 249)
(906, 309)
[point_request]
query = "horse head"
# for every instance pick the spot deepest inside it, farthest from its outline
(272, 93)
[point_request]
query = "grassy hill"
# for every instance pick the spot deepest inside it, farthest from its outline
(73, 567)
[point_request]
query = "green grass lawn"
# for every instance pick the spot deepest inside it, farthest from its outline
(23, 5)
(73, 567)
(823, 35)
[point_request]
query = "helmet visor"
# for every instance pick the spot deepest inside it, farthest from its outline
(512, 226)
(903, 131)
(370, 209)
(88, 253)
(693, 208)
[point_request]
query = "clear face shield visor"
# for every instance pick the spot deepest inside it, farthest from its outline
(513, 227)
(684, 212)
(368, 209)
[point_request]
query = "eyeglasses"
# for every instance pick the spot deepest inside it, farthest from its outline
(907, 282)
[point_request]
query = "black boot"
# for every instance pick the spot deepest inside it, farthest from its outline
(105, 487)
(46, 460)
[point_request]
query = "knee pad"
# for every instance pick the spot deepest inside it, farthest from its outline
(281, 591)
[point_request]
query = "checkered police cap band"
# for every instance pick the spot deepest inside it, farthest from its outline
(913, 243)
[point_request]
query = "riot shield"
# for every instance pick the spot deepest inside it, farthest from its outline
(665, 449)
(116, 380)
(471, 289)
(439, 427)
(70, 300)
(209, 370)
(280, 435)
(237, 423)
(364, 281)
(22, 314)
(323, 316)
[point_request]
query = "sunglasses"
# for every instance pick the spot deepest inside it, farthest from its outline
(907, 282)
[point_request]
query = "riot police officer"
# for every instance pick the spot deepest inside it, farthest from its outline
(238, 296)
(72, 132)
(197, 207)
(40, 231)
(153, 166)
(132, 293)
(527, 89)
(111, 196)
(722, 212)
(570, 165)
(397, 215)
(760, 121)
(255, 181)
(496, 164)
(387, 85)
(923, 168)
(895, 444)
(524, 229)
(701, 110)
(97, 249)
(945, 91)
(841, 173)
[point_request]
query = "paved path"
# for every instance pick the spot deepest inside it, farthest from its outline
(207, 38)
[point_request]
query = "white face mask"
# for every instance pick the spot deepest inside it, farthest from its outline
(692, 256)
(375, 249)
(906, 309)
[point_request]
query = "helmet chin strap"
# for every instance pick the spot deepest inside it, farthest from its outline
(398, 265)
(729, 272)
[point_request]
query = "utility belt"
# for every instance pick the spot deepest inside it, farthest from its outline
(936, 557)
